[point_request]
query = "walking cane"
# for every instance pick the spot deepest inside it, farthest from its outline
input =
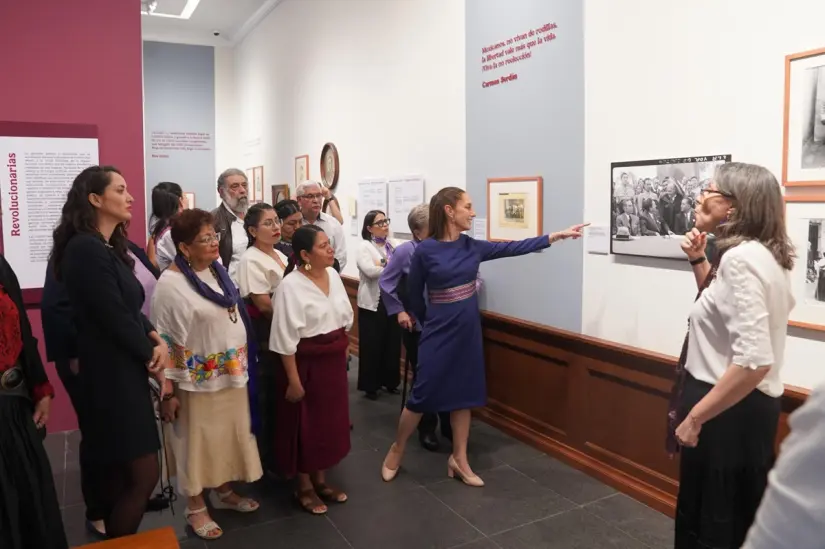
(404, 388)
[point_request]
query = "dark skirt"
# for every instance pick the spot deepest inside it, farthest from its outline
(269, 366)
(29, 512)
(379, 342)
(314, 434)
(722, 480)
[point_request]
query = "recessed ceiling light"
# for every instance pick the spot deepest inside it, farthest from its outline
(188, 10)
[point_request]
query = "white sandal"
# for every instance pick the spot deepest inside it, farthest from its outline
(245, 505)
(202, 531)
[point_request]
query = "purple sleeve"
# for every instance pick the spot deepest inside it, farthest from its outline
(496, 250)
(391, 276)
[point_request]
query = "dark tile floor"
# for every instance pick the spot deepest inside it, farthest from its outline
(530, 500)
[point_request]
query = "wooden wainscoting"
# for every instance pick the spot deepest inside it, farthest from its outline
(597, 405)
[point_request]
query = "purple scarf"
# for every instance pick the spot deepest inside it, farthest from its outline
(230, 297)
(388, 249)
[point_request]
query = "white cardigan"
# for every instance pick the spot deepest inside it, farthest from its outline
(369, 273)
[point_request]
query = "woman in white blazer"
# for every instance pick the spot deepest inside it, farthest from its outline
(379, 336)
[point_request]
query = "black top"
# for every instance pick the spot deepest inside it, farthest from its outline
(59, 329)
(30, 359)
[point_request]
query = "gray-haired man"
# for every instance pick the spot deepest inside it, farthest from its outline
(310, 199)
(233, 188)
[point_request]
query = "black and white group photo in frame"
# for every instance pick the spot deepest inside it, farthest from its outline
(652, 203)
(805, 217)
(804, 142)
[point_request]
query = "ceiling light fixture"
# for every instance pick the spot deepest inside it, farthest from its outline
(188, 10)
(147, 7)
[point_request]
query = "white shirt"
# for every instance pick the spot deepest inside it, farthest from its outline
(165, 250)
(742, 318)
(259, 273)
(792, 513)
(369, 273)
(335, 233)
(239, 243)
(208, 350)
(301, 310)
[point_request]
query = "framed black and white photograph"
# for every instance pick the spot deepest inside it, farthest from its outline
(806, 227)
(803, 162)
(652, 203)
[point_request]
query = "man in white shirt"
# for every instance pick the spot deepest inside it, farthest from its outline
(233, 188)
(310, 197)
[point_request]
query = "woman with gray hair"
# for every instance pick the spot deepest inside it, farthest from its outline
(393, 294)
(726, 401)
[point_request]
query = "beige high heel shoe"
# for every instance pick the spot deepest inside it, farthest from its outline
(388, 474)
(471, 479)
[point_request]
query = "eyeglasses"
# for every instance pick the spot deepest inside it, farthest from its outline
(382, 223)
(270, 223)
(311, 196)
(207, 240)
(705, 192)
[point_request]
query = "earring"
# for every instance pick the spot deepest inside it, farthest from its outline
(307, 267)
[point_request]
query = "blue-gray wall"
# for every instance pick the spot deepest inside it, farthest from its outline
(179, 96)
(533, 126)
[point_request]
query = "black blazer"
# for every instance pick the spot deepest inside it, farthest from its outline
(59, 327)
(30, 359)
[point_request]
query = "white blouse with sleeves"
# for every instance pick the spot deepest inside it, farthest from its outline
(742, 318)
(301, 310)
(208, 350)
(369, 273)
(258, 273)
(165, 250)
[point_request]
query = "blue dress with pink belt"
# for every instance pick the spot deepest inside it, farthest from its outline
(443, 298)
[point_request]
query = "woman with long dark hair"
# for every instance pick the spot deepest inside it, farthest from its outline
(725, 406)
(450, 376)
(167, 201)
(312, 314)
(379, 335)
(116, 344)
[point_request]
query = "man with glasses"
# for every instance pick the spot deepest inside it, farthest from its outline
(233, 188)
(310, 198)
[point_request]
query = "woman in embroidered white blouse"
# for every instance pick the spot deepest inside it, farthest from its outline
(727, 397)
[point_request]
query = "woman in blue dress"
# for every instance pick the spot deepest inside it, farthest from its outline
(451, 375)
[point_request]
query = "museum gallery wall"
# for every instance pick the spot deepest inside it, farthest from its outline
(695, 96)
(391, 109)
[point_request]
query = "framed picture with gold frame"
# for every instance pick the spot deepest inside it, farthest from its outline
(256, 187)
(805, 219)
(803, 158)
(280, 192)
(301, 169)
(514, 208)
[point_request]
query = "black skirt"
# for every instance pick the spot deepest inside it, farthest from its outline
(29, 510)
(722, 480)
(379, 346)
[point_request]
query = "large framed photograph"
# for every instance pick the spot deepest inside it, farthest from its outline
(301, 169)
(514, 208)
(652, 203)
(803, 162)
(805, 218)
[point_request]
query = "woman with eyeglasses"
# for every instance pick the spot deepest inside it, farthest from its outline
(725, 405)
(211, 378)
(260, 270)
(379, 335)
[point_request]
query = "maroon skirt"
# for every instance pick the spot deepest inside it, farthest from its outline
(313, 434)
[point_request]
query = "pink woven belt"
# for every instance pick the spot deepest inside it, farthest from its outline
(454, 294)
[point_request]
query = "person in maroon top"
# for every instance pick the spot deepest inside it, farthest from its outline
(29, 510)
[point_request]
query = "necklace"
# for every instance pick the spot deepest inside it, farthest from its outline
(233, 311)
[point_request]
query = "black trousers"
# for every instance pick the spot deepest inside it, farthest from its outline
(379, 348)
(95, 509)
(428, 421)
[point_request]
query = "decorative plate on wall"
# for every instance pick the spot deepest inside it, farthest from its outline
(330, 168)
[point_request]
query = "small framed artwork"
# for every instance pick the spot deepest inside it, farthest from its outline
(805, 218)
(190, 200)
(803, 161)
(514, 208)
(652, 203)
(301, 169)
(280, 192)
(257, 190)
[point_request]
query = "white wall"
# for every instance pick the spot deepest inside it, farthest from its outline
(668, 79)
(384, 81)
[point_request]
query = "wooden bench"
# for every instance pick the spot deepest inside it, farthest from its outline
(162, 538)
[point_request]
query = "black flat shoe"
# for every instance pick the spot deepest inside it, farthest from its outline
(371, 396)
(158, 502)
(393, 391)
(429, 441)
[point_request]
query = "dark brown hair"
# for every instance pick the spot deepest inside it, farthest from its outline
(448, 196)
(80, 217)
(188, 224)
